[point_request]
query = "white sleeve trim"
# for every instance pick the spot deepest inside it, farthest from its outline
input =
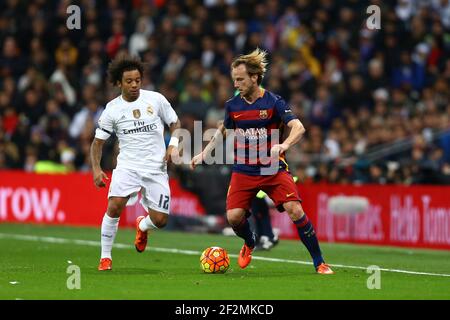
(101, 134)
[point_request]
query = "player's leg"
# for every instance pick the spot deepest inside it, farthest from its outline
(110, 224)
(123, 184)
(153, 220)
(156, 201)
(156, 220)
(307, 235)
(284, 193)
(237, 218)
(240, 193)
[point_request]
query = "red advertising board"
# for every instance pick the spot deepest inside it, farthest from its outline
(410, 216)
(71, 199)
(51, 199)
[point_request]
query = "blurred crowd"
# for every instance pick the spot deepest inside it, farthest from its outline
(375, 103)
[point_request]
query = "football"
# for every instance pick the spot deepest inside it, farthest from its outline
(214, 260)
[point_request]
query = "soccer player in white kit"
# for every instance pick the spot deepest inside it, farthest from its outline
(137, 117)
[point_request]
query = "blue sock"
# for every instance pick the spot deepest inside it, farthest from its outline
(308, 236)
(243, 230)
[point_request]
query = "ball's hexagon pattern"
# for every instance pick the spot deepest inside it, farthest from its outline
(214, 260)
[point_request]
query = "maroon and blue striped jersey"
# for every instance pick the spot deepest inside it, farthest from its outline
(254, 126)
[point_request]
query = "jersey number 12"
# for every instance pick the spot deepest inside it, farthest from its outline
(164, 205)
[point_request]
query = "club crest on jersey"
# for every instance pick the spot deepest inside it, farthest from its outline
(137, 113)
(263, 114)
(150, 110)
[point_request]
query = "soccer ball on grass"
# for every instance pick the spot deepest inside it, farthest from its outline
(214, 260)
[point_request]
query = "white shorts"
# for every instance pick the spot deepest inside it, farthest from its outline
(154, 188)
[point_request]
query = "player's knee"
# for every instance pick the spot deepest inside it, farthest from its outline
(233, 221)
(234, 218)
(114, 209)
(294, 210)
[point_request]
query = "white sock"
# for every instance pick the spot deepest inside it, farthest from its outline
(109, 230)
(147, 224)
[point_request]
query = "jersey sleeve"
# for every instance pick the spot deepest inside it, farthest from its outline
(166, 112)
(228, 122)
(105, 125)
(284, 111)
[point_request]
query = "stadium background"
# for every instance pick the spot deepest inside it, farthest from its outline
(375, 104)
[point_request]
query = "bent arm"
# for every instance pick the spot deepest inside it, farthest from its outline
(297, 131)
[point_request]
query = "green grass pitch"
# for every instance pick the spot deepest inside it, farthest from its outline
(34, 263)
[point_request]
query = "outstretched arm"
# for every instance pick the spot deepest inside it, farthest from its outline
(221, 131)
(96, 156)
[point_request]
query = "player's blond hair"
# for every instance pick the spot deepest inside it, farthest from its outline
(255, 63)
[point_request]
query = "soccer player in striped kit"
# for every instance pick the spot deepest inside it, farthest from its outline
(254, 117)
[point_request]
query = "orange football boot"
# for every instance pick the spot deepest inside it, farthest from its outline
(323, 268)
(105, 264)
(245, 256)
(140, 242)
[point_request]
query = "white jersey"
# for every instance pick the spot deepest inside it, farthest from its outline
(139, 126)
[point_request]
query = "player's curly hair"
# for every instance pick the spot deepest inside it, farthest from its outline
(255, 63)
(123, 63)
